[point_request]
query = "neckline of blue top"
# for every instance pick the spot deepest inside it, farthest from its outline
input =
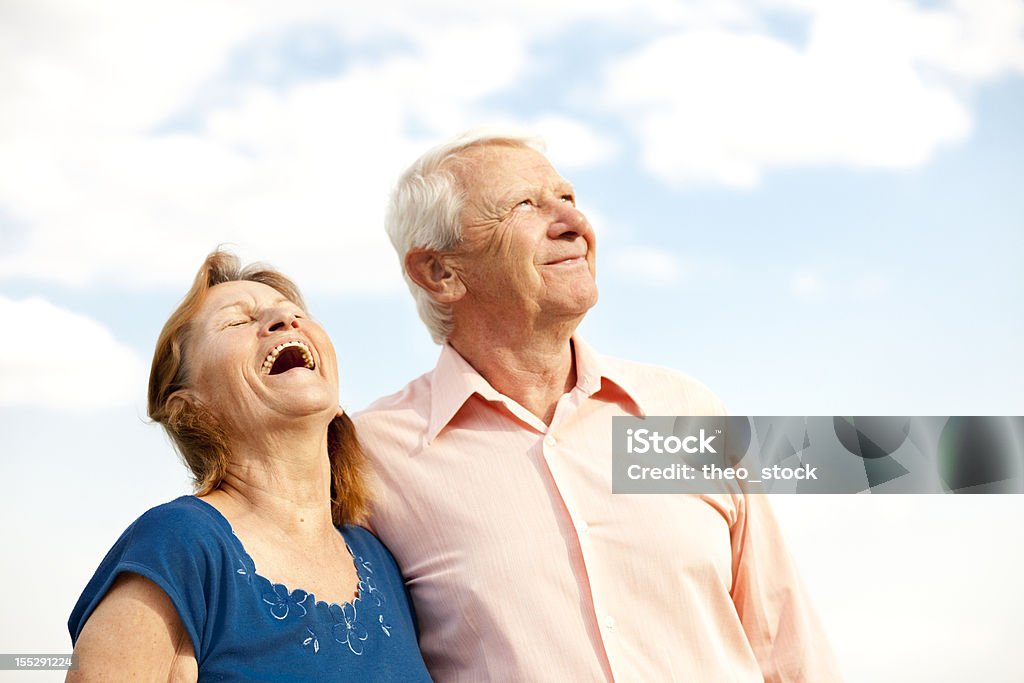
(280, 597)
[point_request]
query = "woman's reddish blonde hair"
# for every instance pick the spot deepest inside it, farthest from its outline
(195, 430)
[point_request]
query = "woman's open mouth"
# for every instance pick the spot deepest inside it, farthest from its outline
(288, 356)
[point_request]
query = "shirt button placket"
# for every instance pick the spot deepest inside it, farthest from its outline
(582, 528)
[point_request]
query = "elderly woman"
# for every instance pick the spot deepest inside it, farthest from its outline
(262, 575)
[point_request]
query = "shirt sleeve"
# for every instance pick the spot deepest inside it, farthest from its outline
(783, 630)
(165, 546)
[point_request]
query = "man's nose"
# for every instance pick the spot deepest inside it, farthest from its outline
(568, 222)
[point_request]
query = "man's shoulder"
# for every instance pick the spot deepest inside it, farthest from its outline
(650, 372)
(662, 390)
(404, 410)
(410, 397)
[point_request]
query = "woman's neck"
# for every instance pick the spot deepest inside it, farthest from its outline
(283, 479)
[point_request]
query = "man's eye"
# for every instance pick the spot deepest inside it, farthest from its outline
(569, 198)
(525, 203)
(240, 322)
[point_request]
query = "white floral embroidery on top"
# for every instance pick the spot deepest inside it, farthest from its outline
(346, 630)
(280, 600)
(247, 569)
(300, 604)
(311, 640)
(368, 590)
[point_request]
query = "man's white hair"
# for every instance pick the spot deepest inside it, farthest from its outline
(426, 208)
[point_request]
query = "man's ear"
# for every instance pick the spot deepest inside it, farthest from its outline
(434, 273)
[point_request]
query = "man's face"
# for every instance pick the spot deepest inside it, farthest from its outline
(527, 252)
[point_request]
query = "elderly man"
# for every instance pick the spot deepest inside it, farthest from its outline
(494, 469)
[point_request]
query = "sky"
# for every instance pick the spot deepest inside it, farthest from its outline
(813, 207)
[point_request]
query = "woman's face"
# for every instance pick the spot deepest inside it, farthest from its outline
(255, 359)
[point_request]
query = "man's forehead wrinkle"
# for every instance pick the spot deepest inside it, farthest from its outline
(531, 189)
(494, 179)
(522, 187)
(464, 162)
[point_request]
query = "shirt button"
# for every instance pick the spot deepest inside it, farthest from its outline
(582, 527)
(609, 621)
(550, 440)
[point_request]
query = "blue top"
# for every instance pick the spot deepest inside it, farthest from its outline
(241, 625)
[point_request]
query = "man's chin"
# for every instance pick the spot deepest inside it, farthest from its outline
(575, 305)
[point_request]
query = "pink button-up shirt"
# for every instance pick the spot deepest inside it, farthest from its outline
(523, 566)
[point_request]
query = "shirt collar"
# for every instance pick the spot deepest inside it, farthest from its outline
(454, 381)
(596, 374)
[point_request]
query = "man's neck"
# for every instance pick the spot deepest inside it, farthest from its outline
(534, 369)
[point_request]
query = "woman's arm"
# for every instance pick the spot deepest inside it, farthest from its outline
(134, 632)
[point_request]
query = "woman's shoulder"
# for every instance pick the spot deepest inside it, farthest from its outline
(179, 546)
(180, 508)
(183, 533)
(183, 510)
(187, 519)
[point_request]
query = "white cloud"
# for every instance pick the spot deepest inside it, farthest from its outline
(569, 142)
(646, 265)
(573, 144)
(878, 84)
(64, 361)
(298, 177)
